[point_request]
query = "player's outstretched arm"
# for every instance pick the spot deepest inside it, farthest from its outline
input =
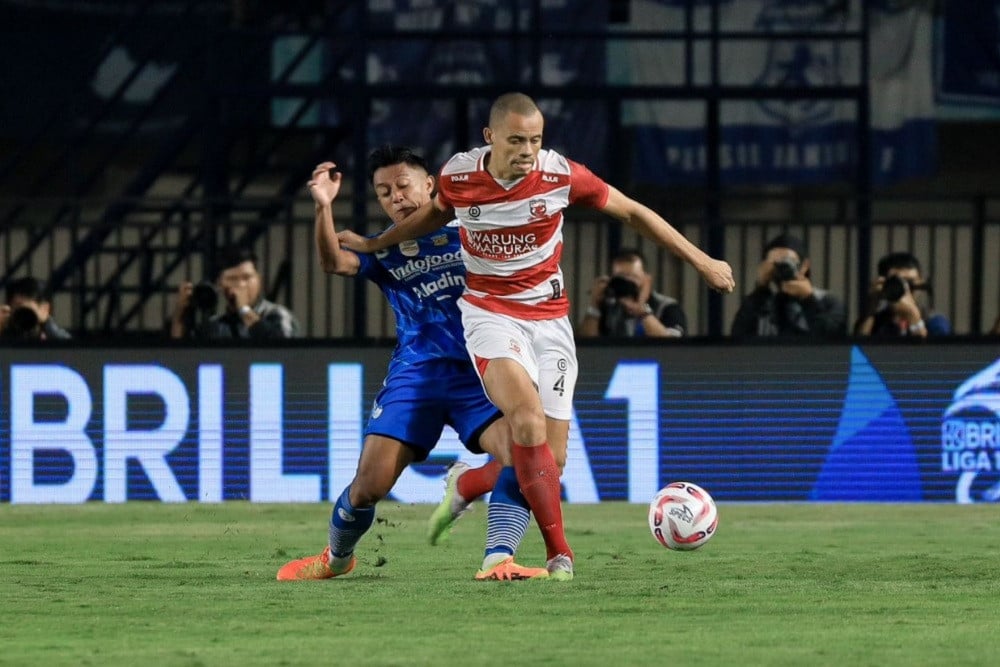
(420, 222)
(717, 273)
(324, 188)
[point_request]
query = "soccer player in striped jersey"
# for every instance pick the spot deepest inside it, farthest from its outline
(509, 197)
(430, 381)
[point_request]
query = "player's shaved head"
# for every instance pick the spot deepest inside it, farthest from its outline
(518, 103)
(514, 135)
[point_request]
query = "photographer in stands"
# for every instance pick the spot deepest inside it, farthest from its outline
(785, 302)
(899, 302)
(27, 313)
(624, 303)
(246, 314)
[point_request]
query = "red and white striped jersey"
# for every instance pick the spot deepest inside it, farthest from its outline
(512, 238)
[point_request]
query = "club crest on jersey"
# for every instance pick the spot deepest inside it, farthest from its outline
(537, 208)
(409, 248)
(440, 239)
(514, 347)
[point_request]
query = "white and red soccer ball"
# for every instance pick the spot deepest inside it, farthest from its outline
(682, 516)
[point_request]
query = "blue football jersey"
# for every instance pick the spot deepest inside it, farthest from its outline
(422, 281)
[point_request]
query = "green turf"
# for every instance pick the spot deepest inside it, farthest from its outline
(778, 585)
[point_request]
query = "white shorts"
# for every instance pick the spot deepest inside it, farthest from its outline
(546, 349)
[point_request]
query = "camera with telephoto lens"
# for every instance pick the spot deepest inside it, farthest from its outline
(23, 324)
(619, 288)
(205, 297)
(893, 289)
(201, 307)
(785, 269)
(614, 316)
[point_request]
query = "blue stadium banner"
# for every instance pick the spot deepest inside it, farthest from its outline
(485, 54)
(798, 140)
(968, 67)
(881, 423)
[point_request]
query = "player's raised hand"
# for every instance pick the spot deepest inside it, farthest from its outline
(719, 275)
(325, 183)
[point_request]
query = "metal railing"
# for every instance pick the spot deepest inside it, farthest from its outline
(129, 287)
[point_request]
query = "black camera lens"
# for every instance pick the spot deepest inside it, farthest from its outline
(23, 324)
(619, 287)
(893, 289)
(205, 297)
(784, 269)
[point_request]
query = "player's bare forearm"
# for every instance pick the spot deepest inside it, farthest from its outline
(655, 228)
(717, 273)
(420, 222)
(324, 186)
(651, 225)
(332, 258)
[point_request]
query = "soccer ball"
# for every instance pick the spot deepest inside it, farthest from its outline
(682, 516)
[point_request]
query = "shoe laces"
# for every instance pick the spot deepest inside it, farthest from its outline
(559, 562)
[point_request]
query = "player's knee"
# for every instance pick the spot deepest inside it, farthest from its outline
(527, 425)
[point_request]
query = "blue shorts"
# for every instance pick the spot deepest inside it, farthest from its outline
(416, 401)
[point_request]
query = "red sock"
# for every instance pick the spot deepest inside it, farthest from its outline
(474, 482)
(538, 475)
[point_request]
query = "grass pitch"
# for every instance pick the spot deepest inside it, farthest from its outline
(780, 584)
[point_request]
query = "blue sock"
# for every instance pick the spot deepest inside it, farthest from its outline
(507, 516)
(348, 524)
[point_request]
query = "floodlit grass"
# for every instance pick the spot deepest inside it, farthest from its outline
(778, 585)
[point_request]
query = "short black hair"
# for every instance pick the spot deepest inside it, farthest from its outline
(390, 154)
(898, 260)
(628, 255)
(789, 241)
(234, 255)
(27, 288)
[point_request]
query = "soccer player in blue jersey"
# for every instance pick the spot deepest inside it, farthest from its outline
(430, 382)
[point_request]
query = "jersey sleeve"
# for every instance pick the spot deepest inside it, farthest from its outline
(365, 266)
(586, 189)
(443, 194)
(369, 267)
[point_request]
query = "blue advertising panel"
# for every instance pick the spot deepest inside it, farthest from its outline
(881, 423)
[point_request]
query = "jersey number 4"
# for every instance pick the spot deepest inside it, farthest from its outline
(560, 386)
